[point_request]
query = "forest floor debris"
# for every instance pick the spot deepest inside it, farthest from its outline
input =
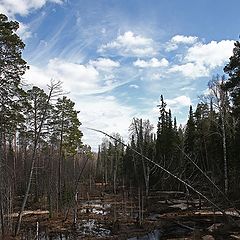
(115, 217)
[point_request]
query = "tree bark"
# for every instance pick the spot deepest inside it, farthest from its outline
(51, 90)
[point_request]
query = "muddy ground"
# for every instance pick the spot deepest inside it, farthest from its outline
(164, 215)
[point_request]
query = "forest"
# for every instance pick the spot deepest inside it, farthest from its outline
(51, 182)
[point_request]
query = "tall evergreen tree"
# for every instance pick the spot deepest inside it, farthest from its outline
(190, 134)
(167, 143)
(189, 144)
(66, 135)
(12, 67)
(233, 86)
(233, 82)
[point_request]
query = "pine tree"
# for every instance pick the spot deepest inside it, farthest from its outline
(12, 67)
(37, 114)
(66, 135)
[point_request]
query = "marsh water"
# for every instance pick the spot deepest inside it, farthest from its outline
(95, 221)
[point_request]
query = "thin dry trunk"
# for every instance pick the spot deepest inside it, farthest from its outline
(224, 155)
(53, 86)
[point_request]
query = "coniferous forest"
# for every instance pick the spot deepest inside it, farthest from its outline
(50, 181)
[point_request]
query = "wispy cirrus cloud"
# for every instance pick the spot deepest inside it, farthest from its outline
(131, 64)
(80, 79)
(130, 44)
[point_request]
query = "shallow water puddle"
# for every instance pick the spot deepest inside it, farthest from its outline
(95, 206)
(92, 228)
(154, 235)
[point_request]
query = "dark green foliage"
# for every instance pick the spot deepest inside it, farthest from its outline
(190, 134)
(65, 127)
(167, 145)
(233, 83)
(233, 86)
(12, 67)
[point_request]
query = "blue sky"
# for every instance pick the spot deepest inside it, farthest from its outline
(116, 57)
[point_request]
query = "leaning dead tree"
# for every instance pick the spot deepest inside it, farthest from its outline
(54, 91)
(170, 174)
(210, 181)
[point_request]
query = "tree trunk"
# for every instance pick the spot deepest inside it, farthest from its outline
(224, 155)
(52, 87)
(1, 184)
(1, 212)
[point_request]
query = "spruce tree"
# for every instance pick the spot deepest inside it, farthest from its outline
(233, 86)
(189, 140)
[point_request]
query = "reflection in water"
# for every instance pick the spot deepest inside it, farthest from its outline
(86, 228)
(154, 235)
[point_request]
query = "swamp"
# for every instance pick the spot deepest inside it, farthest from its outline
(119, 119)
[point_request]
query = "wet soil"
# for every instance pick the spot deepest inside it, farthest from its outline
(109, 216)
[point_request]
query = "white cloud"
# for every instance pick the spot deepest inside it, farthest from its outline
(76, 78)
(190, 70)
(154, 63)
(180, 39)
(131, 44)
(178, 102)
(213, 54)
(184, 39)
(23, 7)
(104, 64)
(201, 59)
(36, 76)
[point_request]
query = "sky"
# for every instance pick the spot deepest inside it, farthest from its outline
(116, 57)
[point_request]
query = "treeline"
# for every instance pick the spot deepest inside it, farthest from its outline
(209, 144)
